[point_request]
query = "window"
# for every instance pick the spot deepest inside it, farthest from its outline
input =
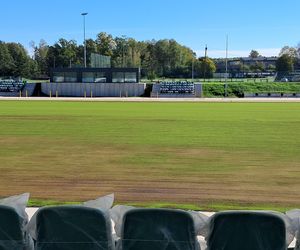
(130, 77)
(100, 77)
(58, 77)
(70, 77)
(87, 77)
(118, 77)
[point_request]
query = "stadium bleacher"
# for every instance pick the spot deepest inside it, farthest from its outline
(176, 89)
(11, 85)
(11, 88)
(96, 224)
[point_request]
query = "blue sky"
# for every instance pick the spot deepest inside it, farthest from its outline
(265, 25)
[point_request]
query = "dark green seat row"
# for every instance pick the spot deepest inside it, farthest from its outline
(82, 228)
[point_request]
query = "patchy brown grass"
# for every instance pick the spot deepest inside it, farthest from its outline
(70, 171)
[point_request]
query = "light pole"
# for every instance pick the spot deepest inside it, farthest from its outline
(226, 67)
(205, 61)
(84, 14)
(123, 50)
(193, 69)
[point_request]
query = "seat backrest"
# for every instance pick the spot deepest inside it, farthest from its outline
(73, 227)
(246, 230)
(159, 229)
(11, 235)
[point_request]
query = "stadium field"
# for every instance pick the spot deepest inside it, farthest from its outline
(208, 156)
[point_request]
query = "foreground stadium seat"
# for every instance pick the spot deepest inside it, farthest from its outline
(158, 229)
(246, 230)
(73, 227)
(11, 234)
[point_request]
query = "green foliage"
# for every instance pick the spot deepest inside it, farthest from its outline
(105, 44)
(290, 51)
(40, 57)
(213, 90)
(14, 60)
(257, 67)
(6, 60)
(162, 58)
(271, 67)
(285, 63)
(254, 54)
(204, 68)
(238, 89)
(151, 75)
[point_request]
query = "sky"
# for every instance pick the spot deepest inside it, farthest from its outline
(263, 25)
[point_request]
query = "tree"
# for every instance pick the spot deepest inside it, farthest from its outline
(258, 67)
(254, 54)
(246, 68)
(6, 60)
(292, 52)
(63, 53)
(298, 50)
(21, 60)
(163, 58)
(149, 61)
(285, 63)
(105, 44)
(272, 67)
(40, 57)
(205, 67)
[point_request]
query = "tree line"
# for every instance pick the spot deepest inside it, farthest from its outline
(162, 58)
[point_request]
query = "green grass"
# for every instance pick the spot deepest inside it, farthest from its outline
(238, 89)
(210, 156)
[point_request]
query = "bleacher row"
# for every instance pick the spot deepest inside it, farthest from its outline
(89, 226)
(177, 88)
(11, 86)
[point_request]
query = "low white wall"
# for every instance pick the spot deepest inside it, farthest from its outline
(94, 89)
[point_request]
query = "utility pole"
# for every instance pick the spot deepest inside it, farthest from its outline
(193, 68)
(84, 41)
(226, 67)
(205, 60)
(123, 50)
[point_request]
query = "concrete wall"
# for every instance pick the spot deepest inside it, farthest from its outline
(94, 89)
(198, 90)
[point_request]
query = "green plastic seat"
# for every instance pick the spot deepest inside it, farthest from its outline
(158, 229)
(11, 234)
(246, 230)
(73, 227)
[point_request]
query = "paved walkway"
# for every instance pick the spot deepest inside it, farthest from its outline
(145, 99)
